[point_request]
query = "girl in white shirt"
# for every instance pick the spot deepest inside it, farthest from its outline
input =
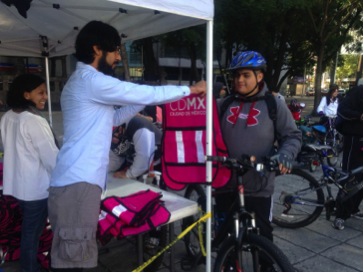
(30, 152)
(329, 103)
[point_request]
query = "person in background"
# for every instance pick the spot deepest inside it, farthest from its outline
(150, 111)
(136, 141)
(328, 104)
(219, 90)
(248, 130)
(351, 111)
(30, 152)
(296, 109)
(89, 102)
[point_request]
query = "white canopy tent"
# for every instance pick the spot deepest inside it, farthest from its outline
(50, 28)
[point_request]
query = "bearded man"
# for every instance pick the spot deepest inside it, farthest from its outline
(88, 103)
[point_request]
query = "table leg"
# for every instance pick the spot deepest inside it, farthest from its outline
(171, 238)
(140, 248)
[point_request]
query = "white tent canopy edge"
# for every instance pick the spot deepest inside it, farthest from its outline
(59, 22)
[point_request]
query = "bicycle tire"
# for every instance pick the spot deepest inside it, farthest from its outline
(302, 192)
(154, 242)
(253, 248)
(331, 140)
(191, 239)
(338, 148)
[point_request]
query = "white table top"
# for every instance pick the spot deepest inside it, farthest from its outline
(178, 206)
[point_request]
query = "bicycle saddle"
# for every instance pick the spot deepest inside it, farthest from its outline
(319, 128)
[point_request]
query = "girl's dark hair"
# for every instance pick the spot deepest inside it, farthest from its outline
(332, 89)
(95, 33)
(20, 85)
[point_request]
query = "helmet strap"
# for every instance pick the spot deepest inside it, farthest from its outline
(255, 87)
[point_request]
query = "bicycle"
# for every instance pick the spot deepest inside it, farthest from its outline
(320, 134)
(334, 139)
(299, 198)
(239, 246)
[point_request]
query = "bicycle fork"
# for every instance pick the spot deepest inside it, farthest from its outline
(243, 225)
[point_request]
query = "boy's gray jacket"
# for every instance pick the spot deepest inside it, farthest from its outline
(250, 131)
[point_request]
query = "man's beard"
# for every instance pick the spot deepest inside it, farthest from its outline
(104, 67)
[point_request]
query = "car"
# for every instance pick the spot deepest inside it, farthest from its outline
(342, 92)
(310, 92)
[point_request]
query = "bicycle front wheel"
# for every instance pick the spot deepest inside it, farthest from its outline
(154, 242)
(332, 139)
(298, 199)
(258, 254)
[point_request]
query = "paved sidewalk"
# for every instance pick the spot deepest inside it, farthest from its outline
(315, 248)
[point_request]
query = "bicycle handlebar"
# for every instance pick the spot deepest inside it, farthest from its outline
(246, 162)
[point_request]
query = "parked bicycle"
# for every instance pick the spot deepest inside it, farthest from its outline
(299, 198)
(239, 246)
(333, 138)
(319, 134)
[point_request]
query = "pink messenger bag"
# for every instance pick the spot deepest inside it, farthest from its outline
(184, 144)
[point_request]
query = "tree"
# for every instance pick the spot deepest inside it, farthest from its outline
(190, 41)
(348, 66)
(292, 35)
(331, 22)
(151, 71)
(274, 28)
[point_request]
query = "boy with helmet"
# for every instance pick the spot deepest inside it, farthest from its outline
(247, 129)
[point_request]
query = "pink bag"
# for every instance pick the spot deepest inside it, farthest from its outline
(132, 214)
(183, 144)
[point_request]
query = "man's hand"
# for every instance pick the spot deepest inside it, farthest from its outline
(199, 88)
(120, 174)
(284, 162)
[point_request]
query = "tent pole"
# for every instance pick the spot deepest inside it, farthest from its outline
(49, 91)
(124, 59)
(209, 80)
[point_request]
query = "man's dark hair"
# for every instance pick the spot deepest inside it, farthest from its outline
(95, 33)
(21, 84)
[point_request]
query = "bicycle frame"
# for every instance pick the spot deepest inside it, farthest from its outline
(238, 244)
(242, 220)
(324, 182)
(301, 206)
(331, 131)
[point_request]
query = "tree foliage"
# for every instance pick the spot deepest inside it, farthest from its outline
(274, 28)
(331, 22)
(293, 35)
(347, 66)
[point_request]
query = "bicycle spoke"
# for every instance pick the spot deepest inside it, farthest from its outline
(298, 199)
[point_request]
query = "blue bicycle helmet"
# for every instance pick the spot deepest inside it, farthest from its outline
(248, 59)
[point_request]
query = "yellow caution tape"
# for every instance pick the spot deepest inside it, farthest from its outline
(200, 239)
(180, 236)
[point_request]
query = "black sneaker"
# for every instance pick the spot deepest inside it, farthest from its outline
(338, 224)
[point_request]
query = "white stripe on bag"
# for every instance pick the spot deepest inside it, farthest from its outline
(199, 145)
(180, 147)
